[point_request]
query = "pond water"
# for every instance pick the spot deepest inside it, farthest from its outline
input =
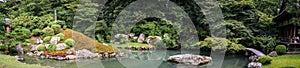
(139, 59)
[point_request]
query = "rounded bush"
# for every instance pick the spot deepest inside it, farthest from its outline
(26, 32)
(25, 44)
(52, 47)
(280, 49)
(48, 31)
(70, 42)
(265, 59)
(47, 39)
(61, 35)
(37, 32)
(41, 48)
(56, 28)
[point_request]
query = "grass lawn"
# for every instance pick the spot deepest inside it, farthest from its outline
(7, 61)
(285, 61)
(130, 44)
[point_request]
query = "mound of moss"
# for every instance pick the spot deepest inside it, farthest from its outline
(84, 42)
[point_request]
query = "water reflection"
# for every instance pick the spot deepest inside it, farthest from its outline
(139, 59)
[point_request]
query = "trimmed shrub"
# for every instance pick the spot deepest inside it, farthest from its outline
(48, 31)
(280, 49)
(56, 28)
(265, 59)
(47, 39)
(37, 32)
(70, 42)
(25, 44)
(52, 47)
(26, 32)
(61, 35)
(41, 48)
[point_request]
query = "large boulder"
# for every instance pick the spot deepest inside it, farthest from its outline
(254, 65)
(61, 46)
(141, 38)
(84, 53)
(120, 38)
(273, 54)
(54, 40)
(153, 39)
(190, 59)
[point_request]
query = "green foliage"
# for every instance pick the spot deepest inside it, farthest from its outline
(220, 44)
(263, 43)
(52, 47)
(61, 35)
(70, 42)
(56, 28)
(47, 39)
(37, 32)
(48, 31)
(280, 49)
(265, 59)
(41, 48)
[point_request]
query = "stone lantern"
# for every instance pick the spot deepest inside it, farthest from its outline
(6, 24)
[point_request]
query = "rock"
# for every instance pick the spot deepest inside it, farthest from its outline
(71, 57)
(253, 58)
(71, 51)
(18, 58)
(153, 39)
(33, 47)
(37, 53)
(47, 45)
(61, 46)
(254, 65)
(190, 59)
(42, 56)
(84, 53)
(19, 48)
(141, 38)
(273, 54)
(39, 40)
(60, 58)
(29, 53)
(120, 39)
(54, 40)
(131, 35)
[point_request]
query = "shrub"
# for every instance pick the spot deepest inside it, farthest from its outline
(70, 42)
(25, 44)
(52, 47)
(265, 59)
(56, 28)
(37, 32)
(41, 48)
(48, 31)
(47, 39)
(26, 32)
(61, 35)
(232, 47)
(280, 49)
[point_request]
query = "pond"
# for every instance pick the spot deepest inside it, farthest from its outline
(139, 59)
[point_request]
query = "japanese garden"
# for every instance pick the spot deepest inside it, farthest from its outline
(149, 34)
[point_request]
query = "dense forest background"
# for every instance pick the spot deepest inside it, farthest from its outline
(248, 22)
